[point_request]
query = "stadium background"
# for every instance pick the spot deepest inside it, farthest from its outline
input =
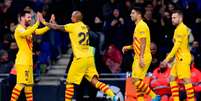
(52, 52)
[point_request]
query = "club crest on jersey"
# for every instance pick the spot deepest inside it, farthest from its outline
(142, 32)
(22, 30)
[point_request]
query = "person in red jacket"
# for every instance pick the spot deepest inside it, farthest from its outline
(160, 82)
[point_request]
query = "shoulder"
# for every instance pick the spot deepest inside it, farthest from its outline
(69, 24)
(20, 28)
(143, 25)
(182, 29)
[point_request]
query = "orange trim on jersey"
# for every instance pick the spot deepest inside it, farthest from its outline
(174, 87)
(28, 93)
(15, 89)
(16, 94)
(137, 52)
(69, 91)
(177, 57)
(67, 97)
(136, 40)
(69, 94)
(176, 95)
(29, 96)
(136, 46)
(13, 98)
(105, 89)
(149, 91)
(175, 91)
(178, 54)
(190, 88)
(190, 93)
(70, 88)
(29, 43)
(192, 97)
(146, 88)
(140, 95)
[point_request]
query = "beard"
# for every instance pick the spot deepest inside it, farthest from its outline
(27, 23)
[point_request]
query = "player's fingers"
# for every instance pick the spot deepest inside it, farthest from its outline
(123, 50)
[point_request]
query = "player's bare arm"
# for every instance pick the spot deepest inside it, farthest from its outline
(127, 48)
(171, 54)
(142, 49)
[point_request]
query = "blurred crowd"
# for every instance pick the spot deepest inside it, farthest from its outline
(107, 19)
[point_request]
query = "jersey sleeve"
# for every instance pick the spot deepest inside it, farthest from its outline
(142, 31)
(68, 27)
(41, 31)
(29, 30)
(179, 37)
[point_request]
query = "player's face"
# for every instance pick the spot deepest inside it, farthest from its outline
(176, 19)
(73, 17)
(133, 15)
(27, 18)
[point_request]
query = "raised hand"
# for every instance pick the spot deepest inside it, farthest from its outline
(42, 20)
(38, 16)
(52, 19)
(163, 64)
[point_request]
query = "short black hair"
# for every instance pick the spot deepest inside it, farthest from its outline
(21, 14)
(139, 9)
(178, 12)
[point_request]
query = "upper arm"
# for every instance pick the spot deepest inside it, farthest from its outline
(29, 31)
(143, 40)
(142, 31)
(20, 32)
(180, 35)
(68, 27)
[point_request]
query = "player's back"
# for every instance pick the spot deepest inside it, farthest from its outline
(182, 35)
(24, 43)
(142, 31)
(79, 37)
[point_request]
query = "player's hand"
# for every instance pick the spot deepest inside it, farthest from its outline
(142, 62)
(38, 16)
(114, 22)
(163, 64)
(125, 49)
(97, 20)
(121, 20)
(41, 19)
(53, 26)
(52, 19)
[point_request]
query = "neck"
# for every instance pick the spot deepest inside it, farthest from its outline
(179, 23)
(23, 24)
(138, 20)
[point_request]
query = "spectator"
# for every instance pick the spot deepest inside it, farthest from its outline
(160, 81)
(166, 35)
(98, 24)
(12, 51)
(109, 7)
(155, 57)
(153, 25)
(116, 29)
(195, 48)
(113, 59)
(5, 64)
